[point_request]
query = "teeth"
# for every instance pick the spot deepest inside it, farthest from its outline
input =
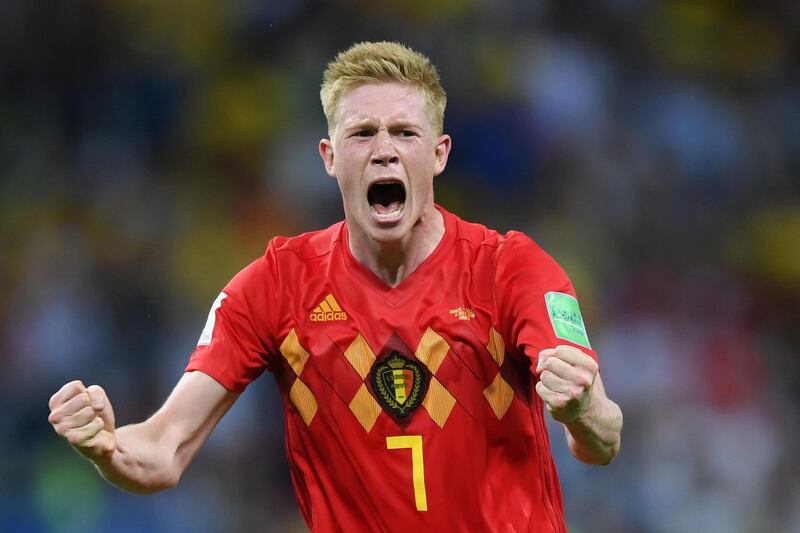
(387, 216)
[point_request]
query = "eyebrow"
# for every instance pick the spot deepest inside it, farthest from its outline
(369, 123)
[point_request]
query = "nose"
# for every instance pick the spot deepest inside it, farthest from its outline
(383, 152)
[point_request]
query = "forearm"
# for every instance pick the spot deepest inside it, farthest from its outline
(146, 457)
(594, 437)
(142, 463)
(153, 455)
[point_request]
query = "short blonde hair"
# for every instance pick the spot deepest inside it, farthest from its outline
(377, 62)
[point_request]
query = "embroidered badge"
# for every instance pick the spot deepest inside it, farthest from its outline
(399, 384)
(462, 313)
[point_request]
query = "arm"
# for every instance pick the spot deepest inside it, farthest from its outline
(149, 456)
(571, 388)
(594, 438)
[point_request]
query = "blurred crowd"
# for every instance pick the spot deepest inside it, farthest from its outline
(150, 149)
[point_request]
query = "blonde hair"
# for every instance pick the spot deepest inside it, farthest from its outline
(384, 61)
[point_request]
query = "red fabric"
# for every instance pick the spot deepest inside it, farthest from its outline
(481, 473)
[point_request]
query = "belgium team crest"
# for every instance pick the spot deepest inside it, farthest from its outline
(399, 384)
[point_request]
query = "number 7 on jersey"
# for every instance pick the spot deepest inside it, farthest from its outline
(414, 442)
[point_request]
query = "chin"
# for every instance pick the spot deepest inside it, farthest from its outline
(390, 234)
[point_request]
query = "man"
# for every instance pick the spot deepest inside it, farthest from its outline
(414, 351)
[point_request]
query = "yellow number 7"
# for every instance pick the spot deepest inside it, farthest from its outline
(417, 467)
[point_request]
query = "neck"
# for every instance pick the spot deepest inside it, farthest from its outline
(394, 261)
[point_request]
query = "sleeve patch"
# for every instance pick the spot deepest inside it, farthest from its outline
(566, 319)
(208, 330)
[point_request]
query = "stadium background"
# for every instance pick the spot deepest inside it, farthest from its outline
(149, 149)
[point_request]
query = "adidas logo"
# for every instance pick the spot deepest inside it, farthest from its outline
(328, 309)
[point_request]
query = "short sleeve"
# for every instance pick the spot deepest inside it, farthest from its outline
(537, 304)
(238, 338)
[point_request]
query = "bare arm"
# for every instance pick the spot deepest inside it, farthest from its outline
(570, 385)
(149, 456)
(594, 437)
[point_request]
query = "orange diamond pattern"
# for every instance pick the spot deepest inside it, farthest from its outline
(300, 395)
(432, 350)
(360, 356)
(303, 399)
(438, 401)
(365, 408)
(499, 394)
(496, 347)
(293, 352)
(363, 405)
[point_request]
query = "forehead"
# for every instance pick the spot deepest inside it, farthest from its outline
(382, 102)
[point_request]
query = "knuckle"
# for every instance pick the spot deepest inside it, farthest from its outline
(84, 415)
(95, 391)
(83, 399)
(97, 396)
(60, 426)
(88, 432)
(75, 387)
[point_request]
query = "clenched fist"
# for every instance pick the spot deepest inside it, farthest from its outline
(84, 417)
(566, 377)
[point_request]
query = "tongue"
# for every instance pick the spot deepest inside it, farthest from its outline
(386, 209)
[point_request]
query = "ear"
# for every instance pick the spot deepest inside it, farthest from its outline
(441, 152)
(326, 153)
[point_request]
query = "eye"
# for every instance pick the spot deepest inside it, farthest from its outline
(407, 133)
(363, 133)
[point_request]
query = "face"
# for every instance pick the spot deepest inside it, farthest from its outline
(384, 156)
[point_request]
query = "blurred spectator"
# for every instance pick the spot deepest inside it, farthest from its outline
(151, 149)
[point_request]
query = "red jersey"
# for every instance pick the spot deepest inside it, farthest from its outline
(409, 408)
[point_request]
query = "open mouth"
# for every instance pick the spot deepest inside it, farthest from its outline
(386, 200)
